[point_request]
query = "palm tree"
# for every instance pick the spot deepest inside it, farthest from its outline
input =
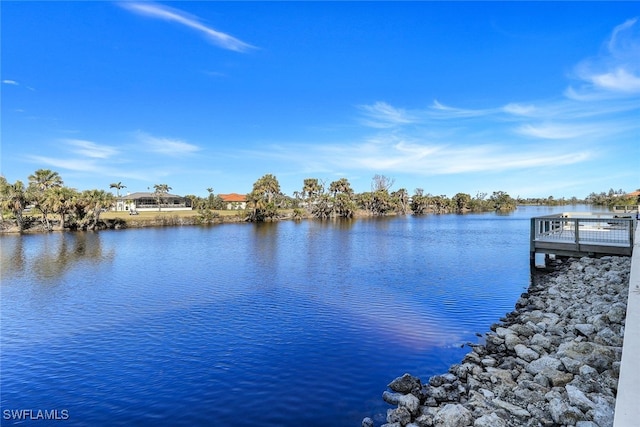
(210, 198)
(43, 179)
(462, 201)
(62, 201)
(95, 201)
(4, 188)
(118, 186)
(311, 188)
(262, 198)
(161, 191)
(401, 199)
(14, 199)
(341, 186)
(39, 183)
(343, 204)
(419, 202)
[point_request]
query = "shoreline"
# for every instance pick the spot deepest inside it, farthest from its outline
(553, 360)
(170, 219)
(161, 219)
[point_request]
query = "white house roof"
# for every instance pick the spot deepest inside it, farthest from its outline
(145, 194)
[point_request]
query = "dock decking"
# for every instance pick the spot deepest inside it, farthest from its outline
(580, 234)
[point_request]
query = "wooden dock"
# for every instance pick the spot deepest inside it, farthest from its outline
(583, 234)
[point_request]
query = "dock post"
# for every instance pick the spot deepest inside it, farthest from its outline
(576, 225)
(532, 245)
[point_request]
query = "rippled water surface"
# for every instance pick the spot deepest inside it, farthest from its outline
(284, 324)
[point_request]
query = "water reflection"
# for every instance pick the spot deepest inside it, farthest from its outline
(55, 254)
(12, 258)
(199, 321)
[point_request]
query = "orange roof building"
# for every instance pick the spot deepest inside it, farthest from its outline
(234, 200)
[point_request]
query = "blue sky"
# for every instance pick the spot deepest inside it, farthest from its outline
(535, 99)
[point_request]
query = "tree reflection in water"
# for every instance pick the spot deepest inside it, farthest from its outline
(53, 257)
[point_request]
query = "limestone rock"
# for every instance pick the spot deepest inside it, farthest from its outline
(554, 360)
(578, 398)
(543, 363)
(541, 341)
(617, 313)
(598, 356)
(525, 353)
(511, 340)
(489, 420)
(585, 329)
(562, 413)
(512, 409)
(408, 401)
(399, 415)
(453, 415)
(367, 422)
(405, 384)
(603, 413)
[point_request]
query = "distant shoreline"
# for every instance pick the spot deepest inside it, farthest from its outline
(121, 221)
(159, 219)
(113, 220)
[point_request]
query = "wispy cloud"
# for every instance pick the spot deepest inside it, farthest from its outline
(519, 109)
(90, 167)
(11, 82)
(91, 149)
(383, 115)
(168, 146)
(72, 164)
(79, 155)
(615, 71)
(439, 110)
(538, 136)
(166, 13)
(557, 131)
(618, 80)
(398, 155)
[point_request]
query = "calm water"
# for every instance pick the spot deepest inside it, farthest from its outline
(285, 324)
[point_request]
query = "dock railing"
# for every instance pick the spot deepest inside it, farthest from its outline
(580, 234)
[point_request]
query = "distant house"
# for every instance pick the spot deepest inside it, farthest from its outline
(635, 194)
(234, 201)
(144, 201)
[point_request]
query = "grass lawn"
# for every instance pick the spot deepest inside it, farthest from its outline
(153, 214)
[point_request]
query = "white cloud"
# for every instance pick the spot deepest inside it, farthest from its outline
(11, 82)
(91, 149)
(168, 146)
(383, 115)
(439, 110)
(79, 165)
(554, 131)
(92, 167)
(450, 159)
(519, 110)
(396, 155)
(621, 42)
(615, 71)
(619, 80)
(174, 15)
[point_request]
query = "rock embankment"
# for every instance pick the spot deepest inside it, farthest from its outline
(553, 361)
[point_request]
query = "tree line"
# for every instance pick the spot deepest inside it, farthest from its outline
(46, 193)
(613, 198)
(316, 199)
(80, 210)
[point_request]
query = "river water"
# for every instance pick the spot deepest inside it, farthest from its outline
(283, 324)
